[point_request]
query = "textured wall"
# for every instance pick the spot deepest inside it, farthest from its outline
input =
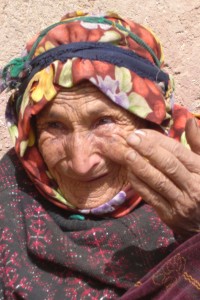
(177, 23)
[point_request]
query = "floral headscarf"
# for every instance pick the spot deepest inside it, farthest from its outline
(122, 58)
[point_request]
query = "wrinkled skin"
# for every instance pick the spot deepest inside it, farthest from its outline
(93, 151)
(167, 175)
(76, 133)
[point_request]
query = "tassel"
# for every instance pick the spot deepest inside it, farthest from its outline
(16, 66)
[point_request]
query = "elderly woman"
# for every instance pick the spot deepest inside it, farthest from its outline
(100, 198)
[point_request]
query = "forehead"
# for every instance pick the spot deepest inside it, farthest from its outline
(82, 99)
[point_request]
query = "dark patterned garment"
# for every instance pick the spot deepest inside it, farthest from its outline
(47, 255)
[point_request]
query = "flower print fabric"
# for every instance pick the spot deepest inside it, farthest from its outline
(132, 88)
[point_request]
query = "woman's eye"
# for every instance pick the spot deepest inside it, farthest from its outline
(55, 125)
(104, 121)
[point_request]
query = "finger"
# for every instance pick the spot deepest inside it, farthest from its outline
(169, 165)
(113, 146)
(165, 210)
(159, 203)
(155, 179)
(145, 141)
(192, 131)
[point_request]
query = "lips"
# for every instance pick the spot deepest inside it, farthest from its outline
(90, 179)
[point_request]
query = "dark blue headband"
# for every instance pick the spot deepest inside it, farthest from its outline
(105, 52)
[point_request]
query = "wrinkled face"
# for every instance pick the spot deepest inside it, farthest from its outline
(81, 136)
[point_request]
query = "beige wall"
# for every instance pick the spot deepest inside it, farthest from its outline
(177, 23)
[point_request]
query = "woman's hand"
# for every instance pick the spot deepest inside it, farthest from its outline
(167, 175)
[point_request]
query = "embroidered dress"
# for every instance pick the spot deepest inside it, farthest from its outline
(47, 255)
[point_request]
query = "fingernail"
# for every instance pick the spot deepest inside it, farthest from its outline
(133, 139)
(138, 131)
(131, 155)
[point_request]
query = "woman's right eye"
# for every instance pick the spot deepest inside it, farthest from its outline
(55, 125)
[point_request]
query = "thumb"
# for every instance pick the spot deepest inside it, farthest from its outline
(192, 131)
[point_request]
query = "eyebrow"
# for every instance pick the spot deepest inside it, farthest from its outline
(92, 110)
(52, 115)
(98, 109)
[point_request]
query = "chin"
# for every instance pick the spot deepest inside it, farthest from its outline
(84, 195)
(91, 201)
(88, 203)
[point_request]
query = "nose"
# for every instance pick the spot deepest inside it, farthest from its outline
(83, 157)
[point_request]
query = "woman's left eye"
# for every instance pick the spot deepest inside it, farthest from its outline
(104, 121)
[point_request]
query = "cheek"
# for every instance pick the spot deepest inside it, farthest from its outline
(114, 133)
(51, 149)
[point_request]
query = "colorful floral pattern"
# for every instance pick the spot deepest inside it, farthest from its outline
(141, 96)
(110, 87)
(45, 87)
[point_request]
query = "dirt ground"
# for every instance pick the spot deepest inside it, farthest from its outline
(176, 23)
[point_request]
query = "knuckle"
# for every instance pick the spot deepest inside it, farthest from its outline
(193, 163)
(144, 168)
(155, 201)
(188, 206)
(195, 197)
(161, 184)
(188, 210)
(149, 151)
(176, 148)
(192, 190)
(172, 168)
(169, 163)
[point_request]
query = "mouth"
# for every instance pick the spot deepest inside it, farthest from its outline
(91, 179)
